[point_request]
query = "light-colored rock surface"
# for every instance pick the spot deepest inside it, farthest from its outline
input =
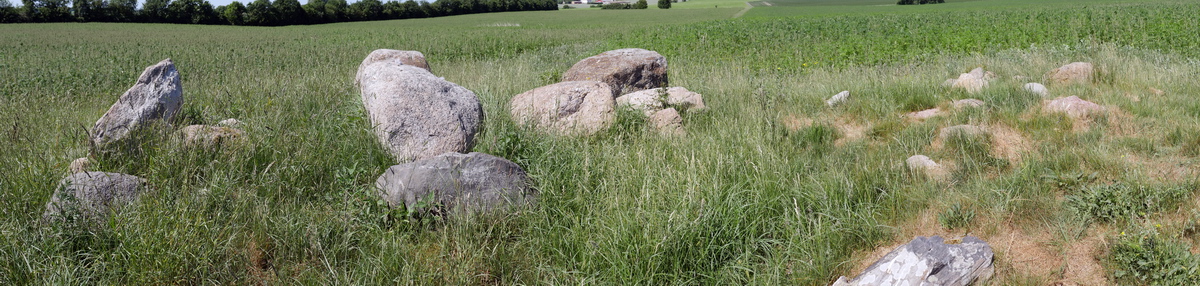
(1077, 72)
(930, 261)
(970, 82)
(1037, 88)
(624, 70)
(205, 135)
(92, 196)
(417, 115)
(668, 122)
(965, 103)
(80, 165)
(412, 58)
(156, 97)
(566, 108)
(455, 182)
(230, 123)
(838, 99)
(647, 101)
(924, 114)
(922, 164)
(684, 99)
(1073, 106)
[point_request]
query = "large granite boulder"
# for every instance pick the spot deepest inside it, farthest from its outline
(624, 70)
(156, 97)
(92, 196)
(412, 58)
(566, 108)
(417, 115)
(455, 182)
(1077, 72)
(930, 261)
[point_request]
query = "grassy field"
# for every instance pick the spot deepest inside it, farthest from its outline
(748, 197)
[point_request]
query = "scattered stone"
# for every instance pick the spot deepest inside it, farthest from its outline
(838, 99)
(412, 58)
(624, 70)
(455, 182)
(80, 165)
(157, 96)
(668, 122)
(92, 196)
(684, 99)
(970, 102)
(647, 101)
(1073, 106)
(967, 131)
(205, 135)
(566, 108)
(234, 123)
(924, 114)
(1037, 88)
(930, 261)
(970, 82)
(1077, 72)
(417, 115)
(922, 164)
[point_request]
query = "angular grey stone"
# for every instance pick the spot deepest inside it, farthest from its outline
(157, 96)
(417, 115)
(92, 196)
(624, 70)
(930, 261)
(566, 108)
(838, 99)
(455, 182)
(412, 58)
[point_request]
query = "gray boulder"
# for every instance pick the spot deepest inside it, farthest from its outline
(412, 58)
(157, 96)
(417, 115)
(1037, 88)
(1077, 72)
(566, 108)
(624, 70)
(455, 182)
(92, 196)
(684, 99)
(838, 99)
(647, 101)
(930, 261)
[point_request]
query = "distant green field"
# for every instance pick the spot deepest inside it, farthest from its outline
(808, 8)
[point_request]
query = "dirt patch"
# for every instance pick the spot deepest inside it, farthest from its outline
(850, 130)
(796, 122)
(1082, 267)
(260, 266)
(1166, 169)
(1008, 143)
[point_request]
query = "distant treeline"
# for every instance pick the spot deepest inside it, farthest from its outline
(256, 13)
(906, 2)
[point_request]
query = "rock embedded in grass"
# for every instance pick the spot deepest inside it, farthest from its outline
(838, 99)
(417, 115)
(80, 165)
(566, 108)
(92, 196)
(965, 103)
(683, 99)
(205, 135)
(1037, 88)
(646, 101)
(924, 114)
(964, 131)
(624, 70)
(231, 122)
(1076, 72)
(156, 97)
(668, 122)
(1073, 106)
(455, 182)
(412, 58)
(930, 261)
(974, 81)
(922, 164)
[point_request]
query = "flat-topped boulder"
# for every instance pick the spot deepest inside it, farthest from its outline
(417, 115)
(624, 70)
(1073, 106)
(155, 98)
(566, 108)
(412, 58)
(92, 196)
(930, 261)
(455, 182)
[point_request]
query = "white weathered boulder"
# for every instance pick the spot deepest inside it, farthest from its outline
(205, 135)
(455, 182)
(929, 261)
(412, 58)
(156, 97)
(1077, 72)
(417, 115)
(566, 108)
(231, 122)
(92, 196)
(667, 122)
(838, 99)
(1073, 106)
(1037, 88)
(624, 70)
(965, 103)
(647, 101)
(970, 82)
(922, 164)
(683, 99)
(924, 114)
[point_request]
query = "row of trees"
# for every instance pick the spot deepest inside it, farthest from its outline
(919, 2)
(256, 13)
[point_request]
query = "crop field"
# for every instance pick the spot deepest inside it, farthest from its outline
(769, 187)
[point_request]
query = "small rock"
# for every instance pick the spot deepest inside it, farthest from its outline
(412, 58)
(966, 131)
(684, 99)
(970, 102)
(624, 70)
(1077, 72)
(230, 123)
(455, 182)
(970, 82)
(924, 114)
(922, 164)
(80, 165)
(92, 196)
(566, 108)
(647, 101)
(838, 99)
(205, 135)
(1073, 106)
(156, 97)
(417, 115)
(1037, 88)
(930, 261)
(668, 122)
